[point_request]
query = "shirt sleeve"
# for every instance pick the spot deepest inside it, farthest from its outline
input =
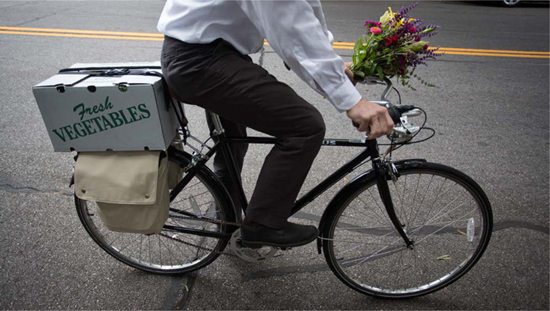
(297, 31)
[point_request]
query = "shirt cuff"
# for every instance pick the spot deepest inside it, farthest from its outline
(344, 96)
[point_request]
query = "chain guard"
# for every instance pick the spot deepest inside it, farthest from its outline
(249, 254)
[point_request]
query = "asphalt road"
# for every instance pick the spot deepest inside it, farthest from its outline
(491, 114)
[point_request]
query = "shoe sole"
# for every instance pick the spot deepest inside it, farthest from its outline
(262, 244)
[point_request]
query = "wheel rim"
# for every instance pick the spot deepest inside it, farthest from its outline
(511, 2)
(371, 257)
(168, 251)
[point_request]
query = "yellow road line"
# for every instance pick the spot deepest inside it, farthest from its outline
(478, 52)
(498, 55)
(494, 51)
(88, 32)
(98, 34)
(78, 35)
(338, 45)
(347, 44)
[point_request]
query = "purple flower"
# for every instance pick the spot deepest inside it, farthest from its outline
(372, 23)
(405, 10)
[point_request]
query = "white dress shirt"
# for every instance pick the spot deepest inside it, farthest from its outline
(296, 30)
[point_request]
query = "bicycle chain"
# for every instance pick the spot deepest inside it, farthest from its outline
(213, 221)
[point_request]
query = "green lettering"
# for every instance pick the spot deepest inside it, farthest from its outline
(70, 132)
(82, 111)
(88, 127)
(106, 123)
(59, 135)
(121, 112)
(116, 119)
(133, 113)
(80, 132)
(96, 120)
(141, 107)
(108, 104)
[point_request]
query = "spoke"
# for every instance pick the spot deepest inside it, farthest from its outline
(399, 260)
(384, 213)
(436, 199)
(160, 252)
(194, 195)
(414, 200)
(440, 229)
(367, 210)
(377, 254)
(181, 250)
(392, 243)
(364, 243)
(436, 216)
(169, 252)
(140, 246)
(387, 245)
(150, 249)
(111, 244)
(124, 247)
(423, 198)
(402, 196)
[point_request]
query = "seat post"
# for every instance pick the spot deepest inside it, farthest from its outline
(218, 134)
(217, 123)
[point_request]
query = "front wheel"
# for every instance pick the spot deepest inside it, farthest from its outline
(447, 215)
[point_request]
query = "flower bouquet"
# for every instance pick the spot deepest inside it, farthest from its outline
(394, 46)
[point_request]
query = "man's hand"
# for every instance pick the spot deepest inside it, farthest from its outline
(349, 73)
(371, 118)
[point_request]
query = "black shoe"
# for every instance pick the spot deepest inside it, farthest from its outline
(291, 235)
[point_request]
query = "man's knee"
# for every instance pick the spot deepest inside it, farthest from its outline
(316, 125)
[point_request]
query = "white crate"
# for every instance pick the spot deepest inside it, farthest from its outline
(86, 112)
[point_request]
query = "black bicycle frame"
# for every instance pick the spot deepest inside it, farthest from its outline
(222, 144)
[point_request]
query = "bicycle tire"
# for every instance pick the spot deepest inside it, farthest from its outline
(169, 252)
(450, 225)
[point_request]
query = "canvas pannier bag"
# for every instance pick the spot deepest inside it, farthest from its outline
(130, 188)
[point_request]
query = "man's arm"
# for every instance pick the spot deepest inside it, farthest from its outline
(298, 34)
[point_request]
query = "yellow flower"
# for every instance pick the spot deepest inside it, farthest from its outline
(386, 17)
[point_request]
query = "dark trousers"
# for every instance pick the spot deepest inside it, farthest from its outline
(218, 78)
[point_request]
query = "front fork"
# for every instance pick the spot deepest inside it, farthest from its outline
(383, 170)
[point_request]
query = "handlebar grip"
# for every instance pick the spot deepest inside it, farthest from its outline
(396, 112)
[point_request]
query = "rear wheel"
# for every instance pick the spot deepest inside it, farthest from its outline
(201, 205)
(445, 213)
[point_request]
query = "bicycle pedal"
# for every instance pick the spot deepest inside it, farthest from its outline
(245, 245)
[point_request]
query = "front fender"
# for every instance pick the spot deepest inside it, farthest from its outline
(349, 189)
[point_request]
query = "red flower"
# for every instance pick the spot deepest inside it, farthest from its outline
(391, 40)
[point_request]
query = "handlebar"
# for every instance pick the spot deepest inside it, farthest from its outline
(403, 131)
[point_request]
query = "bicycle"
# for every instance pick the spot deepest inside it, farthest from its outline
(401, 229)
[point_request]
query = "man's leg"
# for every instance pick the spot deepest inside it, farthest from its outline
(244, 93)
(237, 150)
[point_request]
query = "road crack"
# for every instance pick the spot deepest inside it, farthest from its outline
(27, 189)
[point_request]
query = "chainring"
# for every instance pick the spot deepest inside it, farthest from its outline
(249, 254)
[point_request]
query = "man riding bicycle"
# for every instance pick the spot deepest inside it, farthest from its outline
(205, 62)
